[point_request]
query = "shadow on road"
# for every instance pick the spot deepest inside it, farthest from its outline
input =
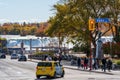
(45, 78)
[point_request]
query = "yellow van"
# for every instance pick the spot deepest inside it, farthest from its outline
(49, 69)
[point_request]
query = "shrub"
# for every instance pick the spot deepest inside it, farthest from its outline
(51, 53)
(118, 62)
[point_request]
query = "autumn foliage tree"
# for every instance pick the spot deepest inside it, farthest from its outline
(3, 43)
(18, 29)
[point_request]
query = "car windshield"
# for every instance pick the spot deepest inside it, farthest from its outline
(47, 64)
(22, 56)
(14, 55)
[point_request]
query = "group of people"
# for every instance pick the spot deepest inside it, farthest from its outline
(85, 63)
(56, 57)
(82, 62)
(106, 63)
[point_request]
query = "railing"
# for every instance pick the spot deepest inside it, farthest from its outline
(37, 57)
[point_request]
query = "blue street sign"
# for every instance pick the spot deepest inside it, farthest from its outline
(107, 20)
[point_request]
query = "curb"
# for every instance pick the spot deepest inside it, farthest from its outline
(33, 61)
(88, 70)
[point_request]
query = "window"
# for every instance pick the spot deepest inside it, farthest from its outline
(45, 64)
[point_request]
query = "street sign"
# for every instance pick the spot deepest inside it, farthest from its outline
(107, 20)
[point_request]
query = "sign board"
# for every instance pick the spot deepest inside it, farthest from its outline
(107, 20)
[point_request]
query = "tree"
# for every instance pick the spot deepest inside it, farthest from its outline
(72, 17)
(3, 43)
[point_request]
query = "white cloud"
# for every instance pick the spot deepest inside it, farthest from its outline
(29, 20)
(4, 20)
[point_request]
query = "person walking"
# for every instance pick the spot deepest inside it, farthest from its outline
(94, 63)
(109, 64)
(104, 62)
(82, 62)
(48, 58)
(98, 63)
(85, 63)
(78, 62)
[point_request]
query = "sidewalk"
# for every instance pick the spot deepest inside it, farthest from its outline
(66, 65)
(95, 71)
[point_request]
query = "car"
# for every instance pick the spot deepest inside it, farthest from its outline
(14, 56)
(2, 56)
(49, 69)
(22, 58)
(19, 55)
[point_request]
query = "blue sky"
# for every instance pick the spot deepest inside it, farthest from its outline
(26, 10)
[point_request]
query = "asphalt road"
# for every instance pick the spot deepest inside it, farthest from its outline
(14, 70)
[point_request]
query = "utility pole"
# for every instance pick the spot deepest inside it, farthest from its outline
(30, 46)
(22, 46)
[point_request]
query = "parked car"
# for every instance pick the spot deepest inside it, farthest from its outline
(22, 58)
(19, 55)
(14, 56)
(49, 69)
(2, 56)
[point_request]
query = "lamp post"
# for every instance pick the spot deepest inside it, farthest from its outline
(30, 46)
(22, 46)
(42, 43)
(1, 45)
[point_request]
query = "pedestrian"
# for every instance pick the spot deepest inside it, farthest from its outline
(85, 63)
(55, 58)
(104, 63)
(48, 58)
(59, 59)
(82, 62)
(98, 63)
(94, 63)
(109, 64)
(78, 62)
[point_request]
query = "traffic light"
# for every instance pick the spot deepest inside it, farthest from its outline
(91, 24)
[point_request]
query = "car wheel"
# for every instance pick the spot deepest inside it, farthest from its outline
(63, 74)
(48, 77)
(55, 75)
(38, 76)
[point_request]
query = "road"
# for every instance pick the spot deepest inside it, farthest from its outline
(14, 70)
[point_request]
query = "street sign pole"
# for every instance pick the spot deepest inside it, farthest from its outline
(90, 53)
(91, 28)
